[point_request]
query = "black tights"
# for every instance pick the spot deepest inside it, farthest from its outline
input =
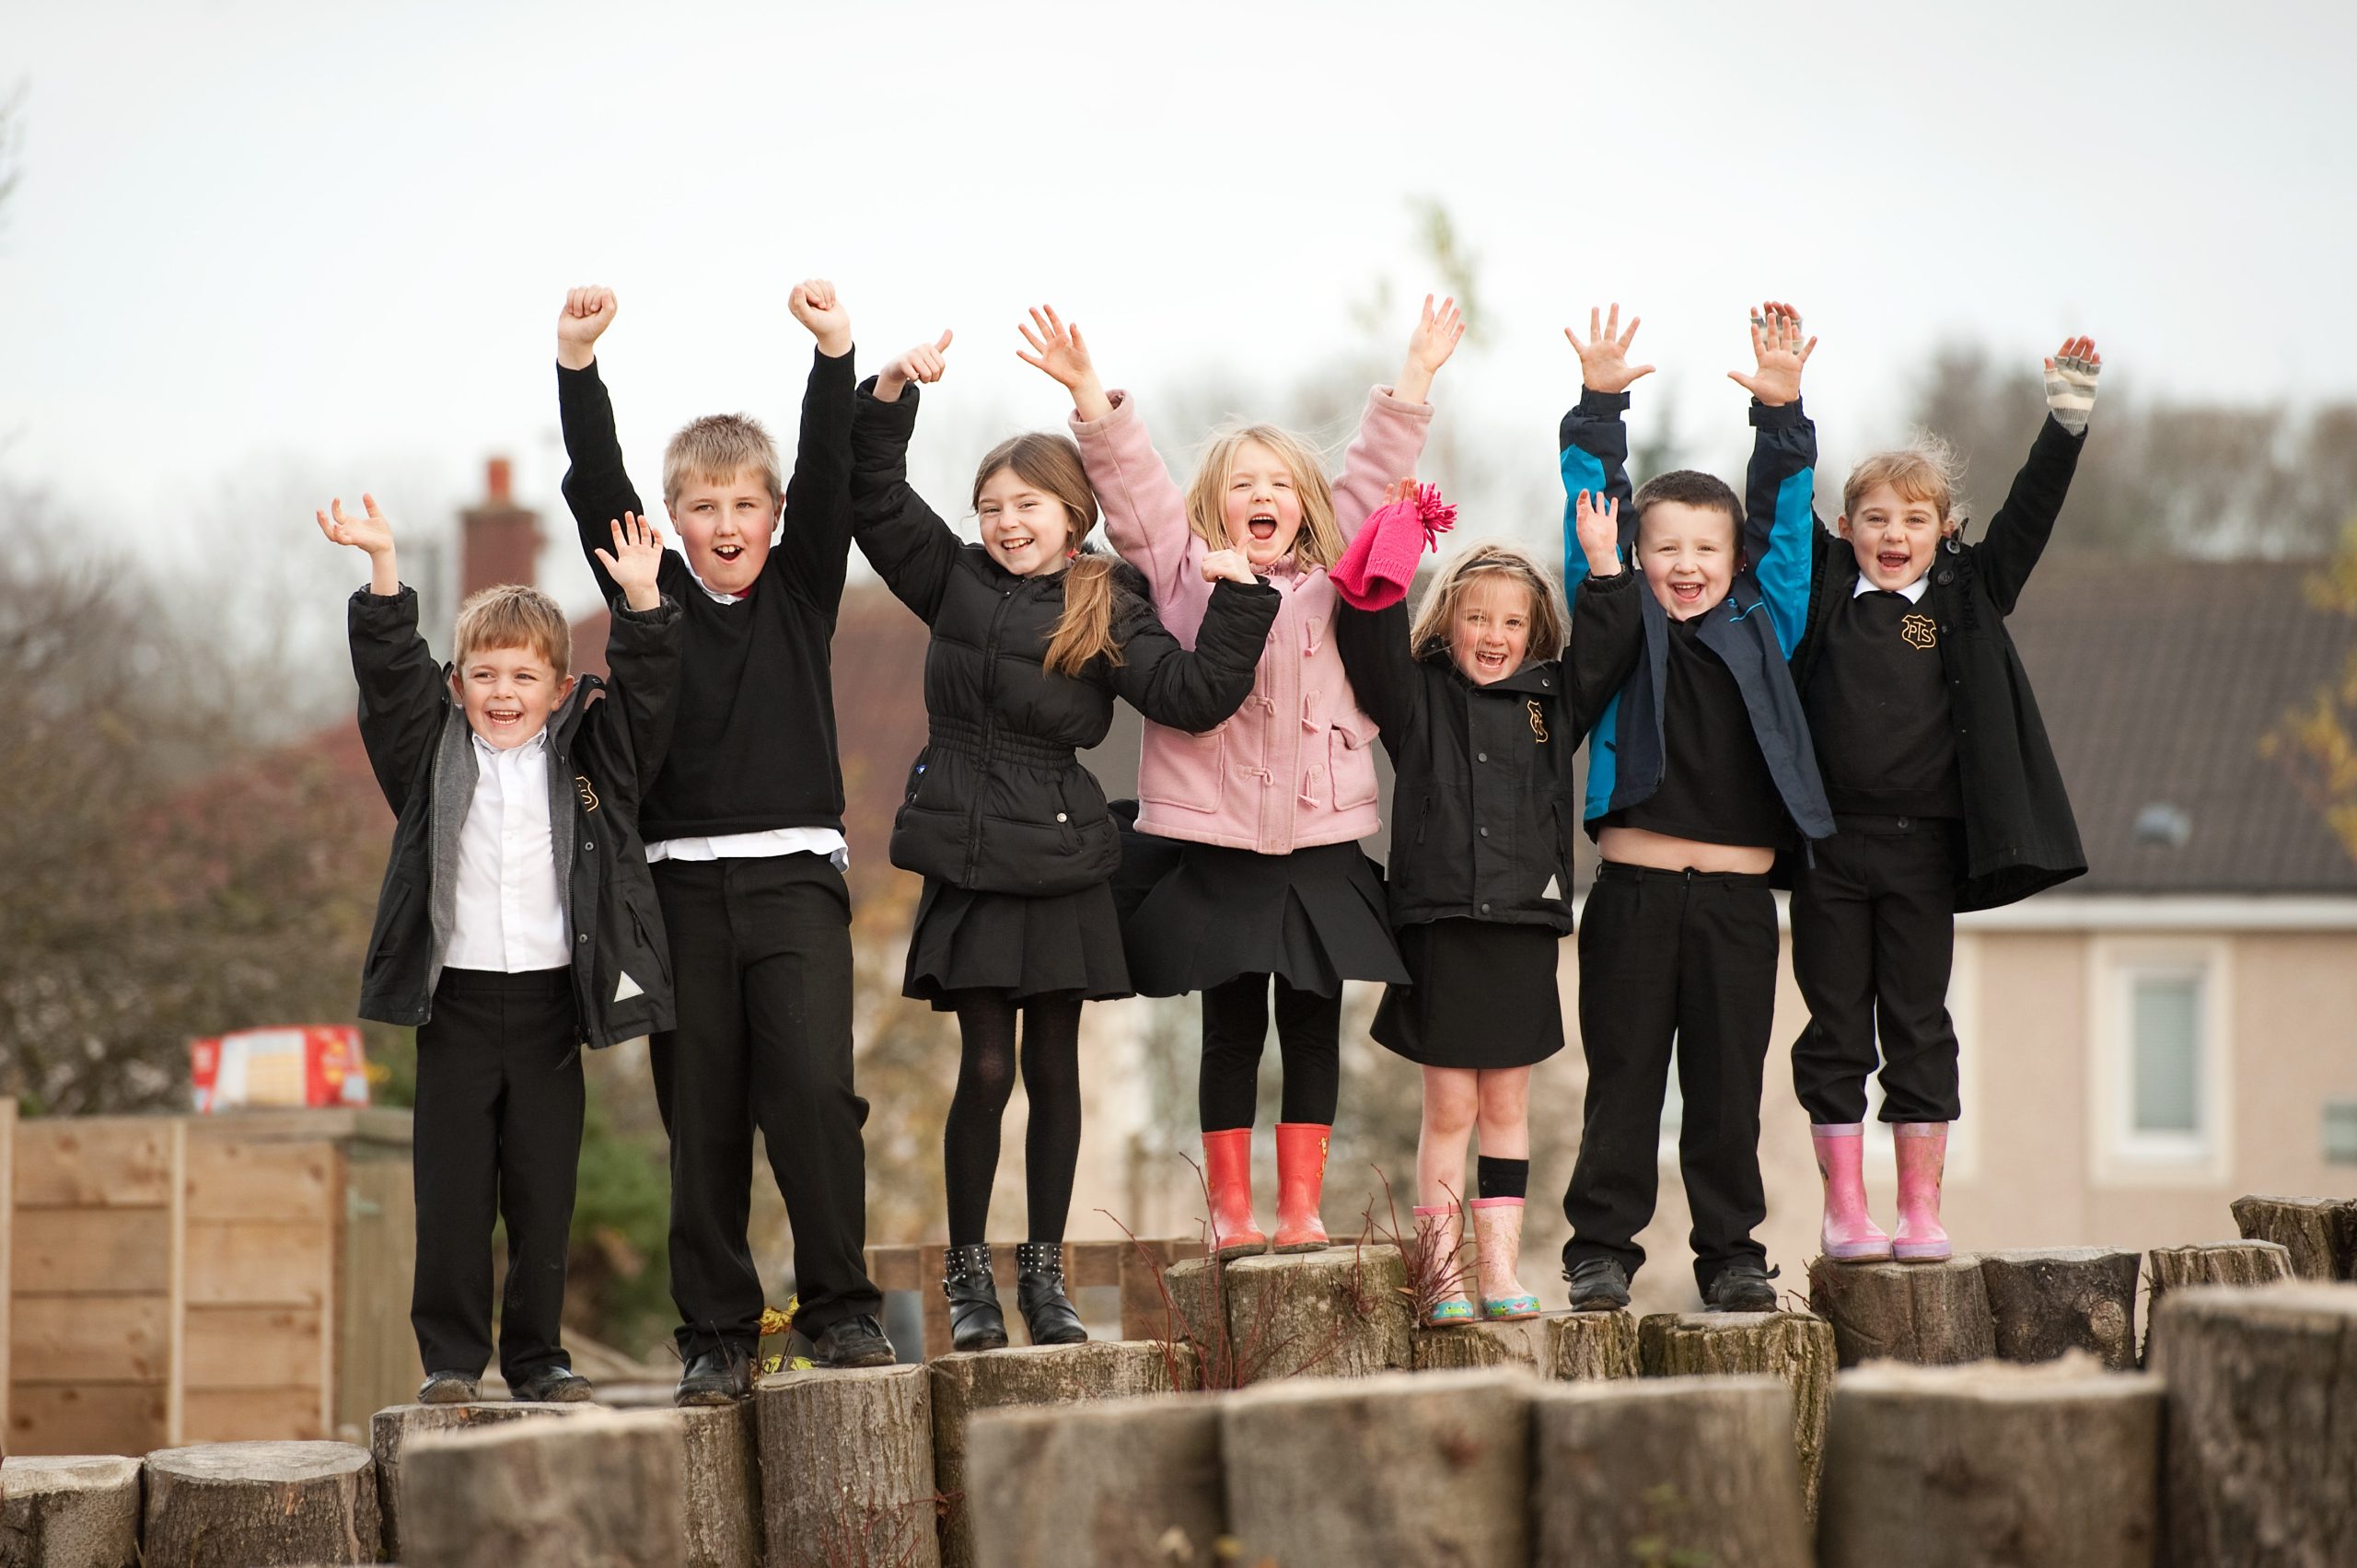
(1236, 1025)
(985, 1080)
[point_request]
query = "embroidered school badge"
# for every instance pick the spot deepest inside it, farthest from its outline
(589, 796)
(1920, 631)
(1537, 719)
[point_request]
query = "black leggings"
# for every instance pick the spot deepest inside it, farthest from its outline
(1236, 1025)
(985, 1080)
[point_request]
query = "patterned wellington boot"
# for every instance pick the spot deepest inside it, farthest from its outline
(1497, 1251)
(1848, 1234)
(1301, 1186)
(1922, 1156)
(1440, 1246)
(1228, 1170)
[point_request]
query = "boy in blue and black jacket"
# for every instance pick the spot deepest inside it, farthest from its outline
(1699, 772)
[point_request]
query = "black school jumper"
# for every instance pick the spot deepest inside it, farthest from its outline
(1943, 788)
(761, 946)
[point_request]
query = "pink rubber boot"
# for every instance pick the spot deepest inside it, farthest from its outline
(1849, 1234)
(1922, 1154)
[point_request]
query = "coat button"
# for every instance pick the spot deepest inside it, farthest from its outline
(1485, 909)
(1059, 816)
(588, 843)
(1485, 832)
(1947, 574)
(583, 937)
(1480, 756)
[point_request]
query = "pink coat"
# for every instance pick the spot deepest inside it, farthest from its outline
(1295, 766)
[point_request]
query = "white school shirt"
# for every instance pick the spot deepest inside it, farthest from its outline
(511, 917)
(1912, 593)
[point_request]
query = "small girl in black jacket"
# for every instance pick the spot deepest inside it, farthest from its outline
(1033, 638)
(1482, 704)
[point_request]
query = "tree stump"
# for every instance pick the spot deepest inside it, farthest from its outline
(1340, 1312)
(69, 1512)
(2320, 1234)
(847, 1466)
(1930, 1313)
(1568, 1345)
(2043, 1303)
(1792, 1346)
(720, 1468)
(2262, 1449)
(1992, 1466)
(1428, 1467)
(2210, 1263)
(248, 1505)
(391, 1430)
(1117, 1483)
(1034, 1375)
(600, 1488)
(1668, 1469)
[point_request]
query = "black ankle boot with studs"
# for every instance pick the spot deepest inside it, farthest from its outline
(1048, 1313)
(975, 1320)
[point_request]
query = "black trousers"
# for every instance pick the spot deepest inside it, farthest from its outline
(760, 963)
(1687, 956)
(498, 1136)
(1235, 1028)
(1874, 939)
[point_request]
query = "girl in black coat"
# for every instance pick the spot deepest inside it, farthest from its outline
(1482, 704)
(1033, 638)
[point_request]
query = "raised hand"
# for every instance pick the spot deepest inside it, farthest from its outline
(1063, 353)
(636, 561)
(371, 533)
(1604, 357)
(1435, 338)
(1776, 345)
(923, 363)
(587, 313)
(1598, 530)
(815, 305)
(2071, 383)
(1228, 563)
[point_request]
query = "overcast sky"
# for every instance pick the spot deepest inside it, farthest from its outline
(258, 238)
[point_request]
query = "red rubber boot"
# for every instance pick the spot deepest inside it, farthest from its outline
(1228, 1170)
(1301, 1184)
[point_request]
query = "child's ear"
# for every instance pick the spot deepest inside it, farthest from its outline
(457, 685)
(1949, 525)
(1841, 526)
(563, 690)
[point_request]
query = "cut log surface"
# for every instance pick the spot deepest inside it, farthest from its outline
(1034, 1375)
(1428, 1467)
(720, 1470)
(602, 1488)
(69, 1512)
(2320, 1234)
(2210, 1263)
(1992, 1466)
(391, 1430)
(1340, 1312)
(250, 1505)
(2044, 1303)
(1794, 1347)
(1668, 1471)
(847, 1466)
(1117, 1483)
(1556, 1345)
(1930, 1313)
(2262, 1446)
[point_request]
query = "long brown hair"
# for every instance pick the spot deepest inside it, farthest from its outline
(1051, 464)
(1549, 625)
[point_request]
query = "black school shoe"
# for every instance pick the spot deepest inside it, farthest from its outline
(552, 1385)
(856, 1341)
(447, 1388)
(717, 1376)
(1048, 1314)
(1598, 1284)
(1741, 1287)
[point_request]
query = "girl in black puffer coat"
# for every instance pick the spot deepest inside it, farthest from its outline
(1033, 638)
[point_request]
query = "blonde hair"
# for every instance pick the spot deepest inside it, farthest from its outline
(715, 449)
(513, 616)
(1926, 468)
(1319, 542)
(1051, 464)
(1550, 621)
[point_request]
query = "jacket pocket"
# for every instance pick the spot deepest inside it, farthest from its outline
(1189, 770)
(916, 775)
(642, 928)
(388, 921)
(1349, 759)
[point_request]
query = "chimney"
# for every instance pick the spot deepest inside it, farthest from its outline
(499, 542)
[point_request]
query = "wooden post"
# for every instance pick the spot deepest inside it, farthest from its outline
(69, 1512)
(602, 1489)
(1340, 1312)
(2320, 1234)
(8, 1228)
(248, 1505)
(2043, 1303)
(391, 1430)
(1700, 1469)
(720, 1482)
(2210, 1263)
(1992, 1466)
(847, 1466)
(1929, 1313)
(2261, 1449)
(1555, 1344)
(1792, 1346)
(1113, 1484)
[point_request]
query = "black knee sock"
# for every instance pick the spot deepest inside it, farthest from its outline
(1309, 1036)
(1051, 1086)
(969, 1141)
(1500, 1179)
(1236, 1025)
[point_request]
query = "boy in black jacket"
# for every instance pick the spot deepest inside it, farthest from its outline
(517, 923)
(1943, 785)
(745, 832)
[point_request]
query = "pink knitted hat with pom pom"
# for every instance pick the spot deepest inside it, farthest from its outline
(1375, 572)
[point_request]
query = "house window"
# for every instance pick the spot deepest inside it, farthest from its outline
(2160, 1090)
(2165, 1055)
(2341, 1131)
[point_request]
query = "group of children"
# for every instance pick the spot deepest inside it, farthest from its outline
(1765, 703)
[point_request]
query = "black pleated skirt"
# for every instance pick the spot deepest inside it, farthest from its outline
(1195, 915)
(1069, 943)
(1484, 996)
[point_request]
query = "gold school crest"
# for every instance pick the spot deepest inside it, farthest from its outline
(1920, 631)
(1537, 719)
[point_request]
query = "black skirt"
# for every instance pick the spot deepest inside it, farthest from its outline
(1484, 996)
(1200, 914)
(1069, 943)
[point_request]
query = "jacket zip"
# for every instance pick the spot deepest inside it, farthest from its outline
(990, 729)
